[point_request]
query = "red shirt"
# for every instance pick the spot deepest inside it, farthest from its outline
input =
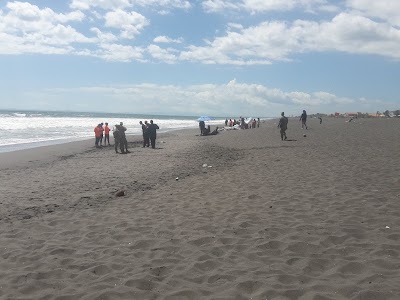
(98, 131)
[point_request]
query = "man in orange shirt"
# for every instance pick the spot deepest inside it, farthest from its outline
(98, 133)
(106, 134)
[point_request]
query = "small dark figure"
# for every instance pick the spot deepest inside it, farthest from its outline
(101, 136)
(146, 140)
(226, 122)
(303, 119)
(152, 132)
(202, 126)
(258, 122)
(215, 132)
(320, 120)
(117, 138)
(283, 121)
(207, 130)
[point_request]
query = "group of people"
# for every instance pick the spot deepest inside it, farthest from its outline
(253, 123)
(102, 131)
(149, 131)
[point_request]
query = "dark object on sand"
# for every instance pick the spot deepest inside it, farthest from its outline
(120, 194)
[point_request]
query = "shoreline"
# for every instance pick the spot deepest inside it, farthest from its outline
(237, 215)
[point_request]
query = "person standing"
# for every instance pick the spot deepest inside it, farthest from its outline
(146, 141)
(303, 119)
(283, 121)
(226, 122)
(98, 133)
(152, 132)
(202, 126)
(106, 134)
(123, 141)
(117, 138)
(101, 136)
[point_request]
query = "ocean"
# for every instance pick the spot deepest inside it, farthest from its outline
(29, 129)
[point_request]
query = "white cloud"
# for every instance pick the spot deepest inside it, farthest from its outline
(104, 37)
(164, 55)
(130, 23)
(279, 41)
(104, 4)
(232, 98)
(24, 11)
(165, 39)
(116, 52)
(121, 4)
(260, 6)
(387, 10)
(25, 28)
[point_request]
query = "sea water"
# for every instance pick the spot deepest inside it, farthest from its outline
(29, 129)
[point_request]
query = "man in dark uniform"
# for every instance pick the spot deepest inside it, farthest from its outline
(152, 132)
(283, 121)
(146, 140)
(117, 139)
(124, 142)
(121, 138)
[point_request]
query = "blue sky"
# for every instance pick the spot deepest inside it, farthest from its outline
(215, 57)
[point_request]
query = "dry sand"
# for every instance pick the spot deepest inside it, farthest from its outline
(315, 217)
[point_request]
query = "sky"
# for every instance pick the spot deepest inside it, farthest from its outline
(225, 58)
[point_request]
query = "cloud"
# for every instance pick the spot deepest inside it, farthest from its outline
(117, 52)
(24, 28)
(280, 41)
(165, 39)
(262, 6)
(121, 4)
(165, 55)
(106, 5)
(233, 98)
(365, 30)
(130, 23)
(386, 10)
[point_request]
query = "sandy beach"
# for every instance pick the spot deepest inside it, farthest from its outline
(315, 217)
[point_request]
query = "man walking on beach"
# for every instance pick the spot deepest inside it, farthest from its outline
(152, 132)
(98, 133)
(283, 121)
(146, 140)
(303, 119)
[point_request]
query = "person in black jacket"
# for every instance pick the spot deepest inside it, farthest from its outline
(120, 138)
(202, 126)
(146, 141)
(152, 132)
